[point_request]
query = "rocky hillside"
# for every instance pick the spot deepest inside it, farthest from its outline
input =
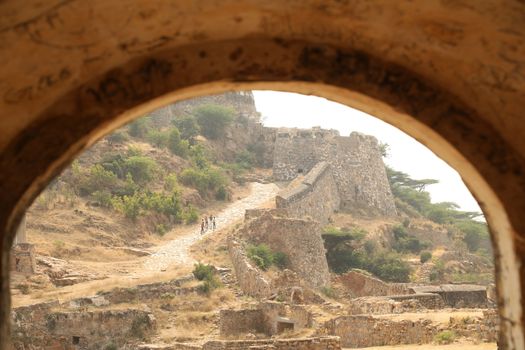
(158, 173)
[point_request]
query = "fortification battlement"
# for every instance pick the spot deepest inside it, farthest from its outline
(315, 132)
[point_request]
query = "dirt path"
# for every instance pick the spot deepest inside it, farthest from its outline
(177, 250)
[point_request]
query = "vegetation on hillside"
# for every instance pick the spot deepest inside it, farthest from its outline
(136, 183)
(346, 250)
(264, 257)
(413, 200)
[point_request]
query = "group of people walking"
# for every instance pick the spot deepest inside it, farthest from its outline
(208, 223)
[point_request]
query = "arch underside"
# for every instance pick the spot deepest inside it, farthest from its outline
(421, 105)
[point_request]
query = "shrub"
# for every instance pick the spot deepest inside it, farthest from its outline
(161, 229)
(261, 255)
(445, 337)
(138, 326)
(329, 292)
(245, 159)
(187, 125)
(389, 267)
(139, 127)
(264, 257)
(438, 271)
(117, 137)
(103, 198)
(280, 260)
(111, 346)
(158, 138)
(204, 180)
(176, 145)
(98, 179)
(425, 256)
(191, 215)
(222, 193)
(129, 205)
(142, 169)
(206, 273)
(202, 271)
(213, 119)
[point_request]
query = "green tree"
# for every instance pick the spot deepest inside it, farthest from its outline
(188, 127)
(176, 144)
(213, 119)
(141, 168)
(139, 128)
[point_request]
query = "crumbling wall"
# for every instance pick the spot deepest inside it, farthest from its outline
(299, 239)
(313, 343)
(457, 295)
(395, 304)
(316, 196)
(360, 284)
(41, 327)
(234, 322)
(365, 331)
(356, 164)
(22, 258)
(250, 279)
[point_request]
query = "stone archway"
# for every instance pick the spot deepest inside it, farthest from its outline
(84, 69)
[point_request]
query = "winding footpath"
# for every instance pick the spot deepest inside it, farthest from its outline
(176, 251)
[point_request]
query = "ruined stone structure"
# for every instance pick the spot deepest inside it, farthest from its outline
(355, 162)
(268, 318)
(457, 295)
(365, 331)
(73, 71)
(395, 304)
(316, 196)
(299, 239)
(38, 326)
(22, 254)
(250, 278)
(313, 343)
(360, 283)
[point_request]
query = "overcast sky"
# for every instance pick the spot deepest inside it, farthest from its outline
(406, 154)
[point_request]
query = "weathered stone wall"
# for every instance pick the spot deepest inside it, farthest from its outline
(356, 163)
(22, 258)
(360, 284)
(299, 239)
(395, 304)
(316, 196)
(314, 343)
(264, 318)
(250, 279)
(457, 295)
(234, 322)
(365, 331)
(39, 327)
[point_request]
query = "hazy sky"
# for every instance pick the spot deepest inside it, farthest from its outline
(406, 154)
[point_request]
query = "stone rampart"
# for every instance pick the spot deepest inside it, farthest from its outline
(250, 279)
(316, 196)
(299, 239)
(355, 161)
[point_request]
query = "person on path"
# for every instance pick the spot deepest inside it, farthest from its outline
(202, 227)
(214, 224)
(206, 222)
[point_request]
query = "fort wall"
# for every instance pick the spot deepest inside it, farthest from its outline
(355, 161)
(316, 196)
(299, 239)
(250, 279)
